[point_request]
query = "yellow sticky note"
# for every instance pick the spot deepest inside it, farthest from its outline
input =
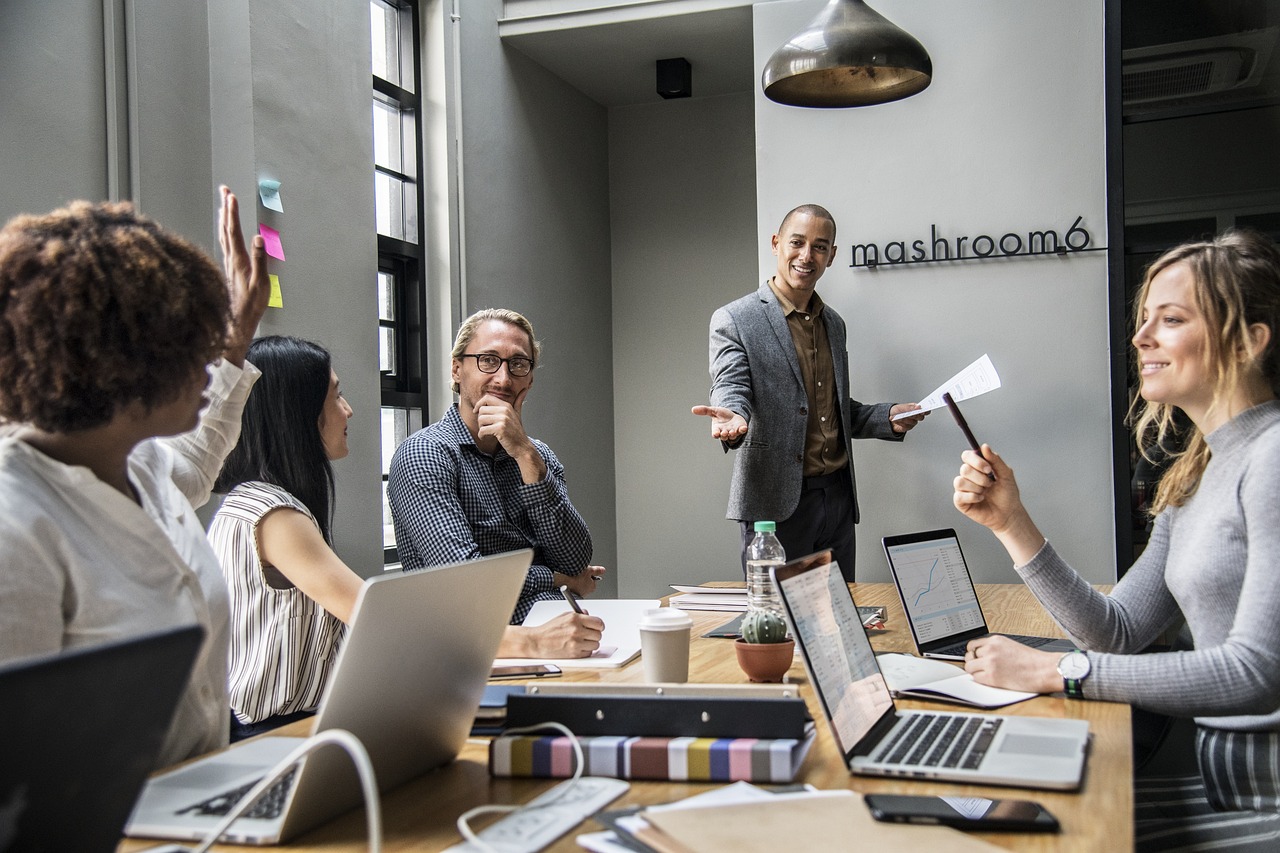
(276, 300)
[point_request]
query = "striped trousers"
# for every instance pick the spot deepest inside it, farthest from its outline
(1234, 804)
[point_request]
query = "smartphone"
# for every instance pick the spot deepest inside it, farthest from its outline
(975, 813)
(528, 670)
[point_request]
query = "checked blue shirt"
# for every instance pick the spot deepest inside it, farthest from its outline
(450, 502)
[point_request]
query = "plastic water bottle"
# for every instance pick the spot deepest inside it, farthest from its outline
(764, 553)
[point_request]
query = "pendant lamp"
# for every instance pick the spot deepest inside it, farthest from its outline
(848, 56)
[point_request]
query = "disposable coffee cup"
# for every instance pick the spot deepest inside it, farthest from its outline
(664, 644)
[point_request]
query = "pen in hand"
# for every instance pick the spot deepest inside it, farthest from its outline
(573, 602)
(964, 427)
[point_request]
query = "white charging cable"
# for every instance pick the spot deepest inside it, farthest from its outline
(464, 826)
(330, 737)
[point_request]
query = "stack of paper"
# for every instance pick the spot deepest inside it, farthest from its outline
(709, 598)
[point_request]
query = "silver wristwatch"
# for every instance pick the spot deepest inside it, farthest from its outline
(1074, 668)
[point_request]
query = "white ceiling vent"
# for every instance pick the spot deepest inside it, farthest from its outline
(1190, 69)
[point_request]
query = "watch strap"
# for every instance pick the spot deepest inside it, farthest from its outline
(1074, 687)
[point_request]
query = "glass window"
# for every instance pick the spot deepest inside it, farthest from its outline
(386, 25)
(397, 153)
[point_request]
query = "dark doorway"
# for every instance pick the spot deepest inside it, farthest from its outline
(1194, 148)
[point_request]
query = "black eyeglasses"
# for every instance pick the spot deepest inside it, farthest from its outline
(518, 366)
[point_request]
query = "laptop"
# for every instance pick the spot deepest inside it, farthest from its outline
(939, 599)
(876, 738)
(407, 683)
(83, 729)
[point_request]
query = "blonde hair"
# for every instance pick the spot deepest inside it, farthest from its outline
(467, 332)
(1236, 280)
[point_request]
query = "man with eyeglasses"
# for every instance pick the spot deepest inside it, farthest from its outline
(780, 399)
(474, 484)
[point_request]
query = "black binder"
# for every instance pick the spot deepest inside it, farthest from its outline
(662, 716)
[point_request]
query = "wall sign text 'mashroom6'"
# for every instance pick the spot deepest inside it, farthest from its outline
(941, 249)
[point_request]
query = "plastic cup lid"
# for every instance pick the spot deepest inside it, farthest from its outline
(665, 619)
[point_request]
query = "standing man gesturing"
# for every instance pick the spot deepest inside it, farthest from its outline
(780, 398)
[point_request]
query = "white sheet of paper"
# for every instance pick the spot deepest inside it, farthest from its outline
(621, 641)
(978, 378)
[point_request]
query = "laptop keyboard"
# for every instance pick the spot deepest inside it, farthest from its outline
(269, 804)
(935, 740)
(959, 649)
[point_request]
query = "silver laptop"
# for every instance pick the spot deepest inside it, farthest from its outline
(937, 594)
(407, 683)
(876, 738)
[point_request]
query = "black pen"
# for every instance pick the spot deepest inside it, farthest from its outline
(573, 602)
(964, 426)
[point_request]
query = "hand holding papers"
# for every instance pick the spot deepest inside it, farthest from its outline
(978, 378)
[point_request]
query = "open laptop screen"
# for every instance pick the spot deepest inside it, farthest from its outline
(934, 582)
(840, 659)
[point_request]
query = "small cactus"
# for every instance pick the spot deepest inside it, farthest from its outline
(763, 626)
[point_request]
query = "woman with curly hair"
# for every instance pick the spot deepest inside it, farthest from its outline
(108, 325)
(1206, 341)
(290, 593)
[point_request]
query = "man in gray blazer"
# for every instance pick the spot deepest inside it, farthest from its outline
(780, 398)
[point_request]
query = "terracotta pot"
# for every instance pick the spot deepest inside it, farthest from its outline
(765, 661)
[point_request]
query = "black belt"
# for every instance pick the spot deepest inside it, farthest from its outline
(825, 481)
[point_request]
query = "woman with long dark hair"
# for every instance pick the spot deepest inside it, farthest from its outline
(290, 593)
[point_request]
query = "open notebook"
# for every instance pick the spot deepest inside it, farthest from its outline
(621, 642)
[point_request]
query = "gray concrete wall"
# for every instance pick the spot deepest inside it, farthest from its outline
(160, 102)
(1009, 137)
(682, 195)
(535, 221)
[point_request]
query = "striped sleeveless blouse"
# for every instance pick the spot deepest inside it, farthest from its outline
(283, 644)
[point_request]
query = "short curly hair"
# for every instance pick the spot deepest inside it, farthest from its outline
(99, 307)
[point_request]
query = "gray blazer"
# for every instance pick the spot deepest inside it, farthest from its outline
(755, 373)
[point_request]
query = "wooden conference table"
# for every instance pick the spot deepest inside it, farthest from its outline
(419, 816)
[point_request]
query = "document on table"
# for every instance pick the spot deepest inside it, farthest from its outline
(825, 820)
(978, 378)
(924, 678)
(621, 641)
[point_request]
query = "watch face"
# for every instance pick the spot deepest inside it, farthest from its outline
(1073, 665)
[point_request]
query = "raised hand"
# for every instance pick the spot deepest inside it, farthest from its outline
(996, 503)
(247, 283)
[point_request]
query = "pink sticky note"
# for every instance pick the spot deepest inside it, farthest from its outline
(272, 239)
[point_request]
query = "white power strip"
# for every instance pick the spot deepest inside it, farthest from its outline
(532, 827)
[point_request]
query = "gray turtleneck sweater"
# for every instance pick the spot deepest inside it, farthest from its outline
(1215, 560)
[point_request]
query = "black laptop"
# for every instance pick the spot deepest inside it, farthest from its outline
(82, 730)
(938, 596)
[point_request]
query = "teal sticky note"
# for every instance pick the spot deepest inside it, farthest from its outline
(269, 192)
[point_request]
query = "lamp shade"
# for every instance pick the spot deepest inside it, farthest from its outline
(849, 56)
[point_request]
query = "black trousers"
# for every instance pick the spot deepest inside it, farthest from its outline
(822, 519)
